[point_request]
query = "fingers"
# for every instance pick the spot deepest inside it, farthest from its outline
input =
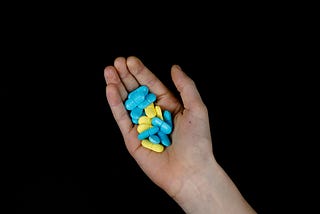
(131, 72)
(189, 93)
(112, 78)
(145, 77)
(126, 77)
(120, 114)
(116, 93)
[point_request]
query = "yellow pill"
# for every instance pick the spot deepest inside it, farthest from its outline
(154, 147)
(150, 111)
(143, 127)
(158, 112)
(144, 120)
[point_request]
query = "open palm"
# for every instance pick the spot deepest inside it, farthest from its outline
(191, 147)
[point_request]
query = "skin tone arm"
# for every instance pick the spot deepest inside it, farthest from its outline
(186, 170)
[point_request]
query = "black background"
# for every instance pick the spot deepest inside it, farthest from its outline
(63, 149)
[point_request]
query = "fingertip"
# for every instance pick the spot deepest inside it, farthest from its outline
(177, 67)
(132, 57)
(133, 61)
(119, 60)
(186, 86)
(177, 75)
(108, 73)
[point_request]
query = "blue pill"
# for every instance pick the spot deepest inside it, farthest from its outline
(150, 98)
(140, 90)
(167, 117)
(135, 121)
(164, 127)
(134, 101)
(145, 134)
(154, 139)
(136, 113)
(164, 138)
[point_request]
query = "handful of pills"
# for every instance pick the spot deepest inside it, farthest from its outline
(154, 125)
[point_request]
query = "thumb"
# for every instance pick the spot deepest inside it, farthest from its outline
(188, 91)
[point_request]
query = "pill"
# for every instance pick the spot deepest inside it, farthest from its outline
(134, 101)
(167, 117)
(150, 111)
(136, 97)
(149, 98)
(145, 134)
(144, 120)
(154, 139)
(136, 113)
(135, 121)
(154, 147)
(144, 90)
(164, 127)
(164, 139)
(143, 127)
(153, 124)
(158, 112)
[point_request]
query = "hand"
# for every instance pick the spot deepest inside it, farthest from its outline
(187, 167)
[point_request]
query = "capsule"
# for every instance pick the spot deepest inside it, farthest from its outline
(164, 127)
(143, 127)
(167, 117)
(153, 124)
(164, 138)
(158, 112)
(154, 147)
(135, 121)
(143, 90)
(154, 139)
(150, 111)
(144, 120)
(145, 134)
(136, 97)
(149, 98)
(133, 102)
(136, 113)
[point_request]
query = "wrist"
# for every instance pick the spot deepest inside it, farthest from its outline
(211, 191)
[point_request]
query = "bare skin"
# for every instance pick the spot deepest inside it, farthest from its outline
(186, 170)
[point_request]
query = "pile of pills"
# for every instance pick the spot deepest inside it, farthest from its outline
(153, 125)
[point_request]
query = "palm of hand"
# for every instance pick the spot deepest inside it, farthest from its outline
(172, 163)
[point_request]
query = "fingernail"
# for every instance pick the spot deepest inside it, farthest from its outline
(178, 67)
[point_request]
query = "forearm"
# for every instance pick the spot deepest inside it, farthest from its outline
(211, 191)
